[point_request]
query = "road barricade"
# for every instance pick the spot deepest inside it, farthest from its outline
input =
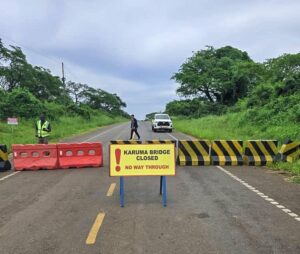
(260, 152)
(34, 157)
(80, 155)
(4, 162)
(227, 152)
(289, 151)
(159, 141)
(193, 153)
(120, 142)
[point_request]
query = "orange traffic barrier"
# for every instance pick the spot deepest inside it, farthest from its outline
(80, 155)
(34, 157)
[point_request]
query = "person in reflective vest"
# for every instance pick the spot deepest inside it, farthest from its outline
(43, 130)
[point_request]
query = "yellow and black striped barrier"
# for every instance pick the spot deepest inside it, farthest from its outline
(260, 152)
(159, 141)
(4, 162)
(290, 151)
(123, 142)
(193, 153)
(227, 152)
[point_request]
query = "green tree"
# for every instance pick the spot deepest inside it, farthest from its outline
(21, 103)
(217, 75)
(150, 115)
(45, 86)
(16, 72)
(193, 107)
(77, 91)
(22, 85)
(100, 99)
(283, 67)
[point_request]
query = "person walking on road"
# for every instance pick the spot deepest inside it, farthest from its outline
(134, 126)
(43, 130)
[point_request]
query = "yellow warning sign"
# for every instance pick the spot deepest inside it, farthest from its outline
(142, 159)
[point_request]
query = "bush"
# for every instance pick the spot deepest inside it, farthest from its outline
(21, 103)
(194, 108)
(83, 110)
(261, 95)
(296, 113)
(54, 110)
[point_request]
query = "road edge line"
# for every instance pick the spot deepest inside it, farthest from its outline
(262, 195)
(12, 174)
(177, 140)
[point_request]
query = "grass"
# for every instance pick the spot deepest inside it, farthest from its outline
(293, 167)
(24, 133)
(234, 126)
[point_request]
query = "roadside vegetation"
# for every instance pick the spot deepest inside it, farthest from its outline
(65, 126)
(27, 91)
(228, 126)
(226, 95)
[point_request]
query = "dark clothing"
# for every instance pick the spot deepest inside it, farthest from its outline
(134, 126)
(43, 140)
(132, 131)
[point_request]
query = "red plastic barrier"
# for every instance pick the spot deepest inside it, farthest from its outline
(80, 155)
(34, 157)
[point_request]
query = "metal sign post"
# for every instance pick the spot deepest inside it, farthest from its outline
(163, 190)
(12, 121)
(122, 191)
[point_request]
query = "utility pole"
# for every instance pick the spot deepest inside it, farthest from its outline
(63, 73)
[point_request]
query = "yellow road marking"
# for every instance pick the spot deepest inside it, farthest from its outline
(91, 239)
(111, 190)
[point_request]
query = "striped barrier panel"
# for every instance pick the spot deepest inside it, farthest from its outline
(289, 151)
(260, 152)
(4, 162)
(158, 141)
(193, 153)
(227, 152)
(123, 142)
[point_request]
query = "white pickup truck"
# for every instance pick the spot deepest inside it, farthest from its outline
(162, 122)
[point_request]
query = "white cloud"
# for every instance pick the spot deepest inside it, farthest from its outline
(133, 47)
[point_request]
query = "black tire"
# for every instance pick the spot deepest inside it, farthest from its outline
(8, 165)
(170, 130)
(5, 166)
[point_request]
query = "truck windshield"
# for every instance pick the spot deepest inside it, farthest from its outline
(162, 117)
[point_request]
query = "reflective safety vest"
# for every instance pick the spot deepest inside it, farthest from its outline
(40, 132)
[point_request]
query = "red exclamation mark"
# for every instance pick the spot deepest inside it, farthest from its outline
(118, 159)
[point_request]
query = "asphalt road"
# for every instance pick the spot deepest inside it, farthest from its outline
(210, 209)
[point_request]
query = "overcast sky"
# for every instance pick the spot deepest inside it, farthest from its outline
(133, 47)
